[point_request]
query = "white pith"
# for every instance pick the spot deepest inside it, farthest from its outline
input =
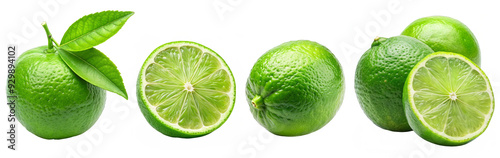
(188, 87)
(452, 96)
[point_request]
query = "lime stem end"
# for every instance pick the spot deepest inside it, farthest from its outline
(257, 102)
(378, 40)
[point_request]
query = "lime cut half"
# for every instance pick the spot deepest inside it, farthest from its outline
(185, 89)
(448, 99)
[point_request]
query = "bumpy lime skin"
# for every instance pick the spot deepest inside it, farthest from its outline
(301, 85)
(417, 124)
(446, 34)
(52, 101)
(380, 76)
(154, 120)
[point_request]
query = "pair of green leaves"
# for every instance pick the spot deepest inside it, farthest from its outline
(78, 52)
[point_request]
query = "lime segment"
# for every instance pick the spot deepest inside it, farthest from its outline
(188, 88)
(450, 97)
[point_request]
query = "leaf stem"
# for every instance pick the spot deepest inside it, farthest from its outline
(55, 42)
(49, 38)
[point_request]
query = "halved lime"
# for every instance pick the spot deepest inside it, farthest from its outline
(448, 99)
(185, 89)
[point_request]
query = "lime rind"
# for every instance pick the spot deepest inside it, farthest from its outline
(438, 134)
(178, 127)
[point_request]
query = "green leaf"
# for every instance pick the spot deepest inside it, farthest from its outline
(91, 30)
(96, 68)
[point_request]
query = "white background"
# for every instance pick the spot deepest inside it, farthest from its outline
(241, 34)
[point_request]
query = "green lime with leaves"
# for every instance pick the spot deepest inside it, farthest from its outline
(60, 88)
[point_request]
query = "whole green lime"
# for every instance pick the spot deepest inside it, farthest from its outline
(52, 101)
(443, 33)
(295, 88)
(380, 78)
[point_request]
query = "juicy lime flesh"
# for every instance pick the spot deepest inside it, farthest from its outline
(188, 87)
(451, 96)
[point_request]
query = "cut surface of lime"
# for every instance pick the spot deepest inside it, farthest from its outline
(448, 99)
(185, 89)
